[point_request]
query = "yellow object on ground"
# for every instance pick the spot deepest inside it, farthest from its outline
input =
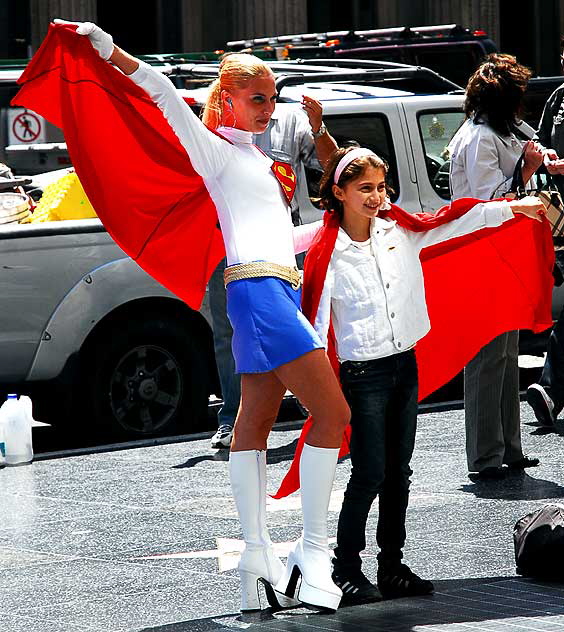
(63, 199)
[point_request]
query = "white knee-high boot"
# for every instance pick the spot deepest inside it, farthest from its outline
(259, 563)
(310, 558)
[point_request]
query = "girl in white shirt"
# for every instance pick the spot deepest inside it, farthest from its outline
(374, 296)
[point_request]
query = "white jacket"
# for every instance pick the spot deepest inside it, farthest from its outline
(377, 299)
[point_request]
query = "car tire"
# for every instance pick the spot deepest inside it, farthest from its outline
(147, 378)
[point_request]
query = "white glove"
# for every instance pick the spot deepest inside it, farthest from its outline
(100, 40)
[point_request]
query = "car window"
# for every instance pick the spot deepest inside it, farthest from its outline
(368, 130)
(437, 129)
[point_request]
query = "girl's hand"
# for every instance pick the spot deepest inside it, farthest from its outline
(314, 111)
(100, 40)
(530, 206)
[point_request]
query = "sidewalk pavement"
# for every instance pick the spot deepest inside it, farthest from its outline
(147, 539)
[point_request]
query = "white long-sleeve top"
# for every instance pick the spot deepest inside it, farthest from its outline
(253, 212)
(482, 162)
(376, 295)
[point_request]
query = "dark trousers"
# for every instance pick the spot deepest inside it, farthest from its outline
(382, 395)
(222, 336)
(491, 404)
(552, 378)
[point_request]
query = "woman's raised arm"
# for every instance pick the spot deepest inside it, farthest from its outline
(207, 151)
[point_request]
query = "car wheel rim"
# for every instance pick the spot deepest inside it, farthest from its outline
(146, 389)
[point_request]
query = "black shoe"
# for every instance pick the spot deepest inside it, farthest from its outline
(490, 473)
(356, 587)
(399, 580)
(522, 463)
(542, 405)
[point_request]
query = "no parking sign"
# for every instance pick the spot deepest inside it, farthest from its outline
(24, 126)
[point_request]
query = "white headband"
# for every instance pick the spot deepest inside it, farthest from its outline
(349, 157)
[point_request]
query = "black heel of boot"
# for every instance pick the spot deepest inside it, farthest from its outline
(293, 583)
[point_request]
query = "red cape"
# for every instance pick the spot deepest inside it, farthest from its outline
(135, 173)
(477, 287)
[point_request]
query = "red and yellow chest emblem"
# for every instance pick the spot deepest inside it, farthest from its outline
(286, 177)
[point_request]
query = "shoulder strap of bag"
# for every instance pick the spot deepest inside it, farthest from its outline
(518, 186)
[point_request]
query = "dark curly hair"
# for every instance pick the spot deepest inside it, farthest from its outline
(494, 94)
(356, 168)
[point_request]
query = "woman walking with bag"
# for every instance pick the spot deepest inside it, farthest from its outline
(484, 153)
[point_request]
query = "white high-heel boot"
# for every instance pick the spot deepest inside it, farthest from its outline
(259, 563)
(310, 558)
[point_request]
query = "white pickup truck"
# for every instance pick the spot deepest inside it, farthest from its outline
(82, 326)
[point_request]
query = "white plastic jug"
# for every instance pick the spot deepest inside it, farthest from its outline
(15, 421)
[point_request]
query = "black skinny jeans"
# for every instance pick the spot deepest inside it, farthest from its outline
(382, 395)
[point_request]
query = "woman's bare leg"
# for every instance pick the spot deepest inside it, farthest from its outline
(261, 396)
(312, 380)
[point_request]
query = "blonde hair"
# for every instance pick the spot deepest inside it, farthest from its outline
(235, 71)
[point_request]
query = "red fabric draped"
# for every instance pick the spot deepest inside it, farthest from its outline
(477, 287)
(135, 173)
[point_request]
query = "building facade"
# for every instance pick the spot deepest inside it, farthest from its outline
(148, 26)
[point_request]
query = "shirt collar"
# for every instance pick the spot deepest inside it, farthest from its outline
(382, 223)
(344, 241)
(236, 135)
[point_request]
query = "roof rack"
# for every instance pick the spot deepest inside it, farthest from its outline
(432, 79)
(394, 33)
(341, 71)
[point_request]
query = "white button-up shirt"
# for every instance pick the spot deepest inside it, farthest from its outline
(376, 296)
(482, 162)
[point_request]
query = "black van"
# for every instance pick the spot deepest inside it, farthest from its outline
(449, 49)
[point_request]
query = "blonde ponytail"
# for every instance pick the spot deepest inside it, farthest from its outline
(211, 114)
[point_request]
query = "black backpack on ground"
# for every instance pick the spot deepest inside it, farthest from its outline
(539, 543)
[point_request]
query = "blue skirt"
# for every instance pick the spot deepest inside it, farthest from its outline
(269, 328)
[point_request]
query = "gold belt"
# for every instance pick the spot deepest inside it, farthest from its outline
(262, 269)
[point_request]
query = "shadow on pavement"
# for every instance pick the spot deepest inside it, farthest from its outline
(557, 429)
(456, 601)
(515, 486)
(219, 455)
(274, 455)
(282, 453)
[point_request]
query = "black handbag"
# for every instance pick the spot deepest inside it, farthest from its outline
(548, 193)
(539, 543)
